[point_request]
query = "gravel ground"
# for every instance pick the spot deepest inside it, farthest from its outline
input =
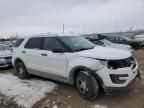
(66, 96)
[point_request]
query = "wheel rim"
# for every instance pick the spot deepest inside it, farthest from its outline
(82, 86)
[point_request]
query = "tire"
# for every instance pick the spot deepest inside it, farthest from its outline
(135, 46)
(21, 71)
(87, 86)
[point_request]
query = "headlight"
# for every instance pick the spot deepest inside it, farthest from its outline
(110, 64)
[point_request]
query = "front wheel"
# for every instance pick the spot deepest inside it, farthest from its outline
(87, 86)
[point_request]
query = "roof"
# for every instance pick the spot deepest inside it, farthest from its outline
(49, 35)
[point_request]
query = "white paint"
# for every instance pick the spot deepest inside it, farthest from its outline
(6, 52)
(105, 53)
(115, 45)
(25, 92)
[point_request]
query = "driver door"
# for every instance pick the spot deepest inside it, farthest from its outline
(53, 63)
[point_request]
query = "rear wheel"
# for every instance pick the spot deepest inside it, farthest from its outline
(21, 71)
(87, 86)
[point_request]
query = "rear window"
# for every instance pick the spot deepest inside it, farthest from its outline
(18, 42)
(34, 43)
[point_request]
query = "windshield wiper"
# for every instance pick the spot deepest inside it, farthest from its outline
(81, 49)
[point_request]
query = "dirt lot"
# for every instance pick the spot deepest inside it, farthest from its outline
(66, 96)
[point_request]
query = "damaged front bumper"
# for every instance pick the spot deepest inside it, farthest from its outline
(118, 81)
(120, 90)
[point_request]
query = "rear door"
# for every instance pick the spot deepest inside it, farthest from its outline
(32, 53)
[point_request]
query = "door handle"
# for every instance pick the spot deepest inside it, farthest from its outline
(43, 54)
(23, 51)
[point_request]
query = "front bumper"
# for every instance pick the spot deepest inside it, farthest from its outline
(119, 90)
(111, 87)
(141, 45)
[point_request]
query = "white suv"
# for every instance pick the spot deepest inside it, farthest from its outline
(75, 60)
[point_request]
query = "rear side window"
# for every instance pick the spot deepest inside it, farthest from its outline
(18, 42)
(50, 43)
(34, 43)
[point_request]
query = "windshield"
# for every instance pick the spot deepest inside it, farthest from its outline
(126, 38)
(106, 42)
(77, 43)
(4, 47)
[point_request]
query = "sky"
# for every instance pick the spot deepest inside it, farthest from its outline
(78, 16)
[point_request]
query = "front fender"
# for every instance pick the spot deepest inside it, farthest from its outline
(88, 64)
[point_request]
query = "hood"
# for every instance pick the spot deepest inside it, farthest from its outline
(121, 46)
(105, 53)
(5, 53)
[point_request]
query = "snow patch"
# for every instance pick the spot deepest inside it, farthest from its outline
(25, 92)
(98, 106)
(55, 106)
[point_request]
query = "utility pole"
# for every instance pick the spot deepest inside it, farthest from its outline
(131, 28)
(16, 34)
(63, 28)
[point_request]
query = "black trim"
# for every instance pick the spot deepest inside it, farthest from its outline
(92, 72)
(115, 78)
(18, 59)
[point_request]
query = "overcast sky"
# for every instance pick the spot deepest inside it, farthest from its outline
(80, 16)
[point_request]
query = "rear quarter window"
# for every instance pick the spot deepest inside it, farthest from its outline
(18, 42)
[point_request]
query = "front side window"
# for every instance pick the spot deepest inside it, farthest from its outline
(110, 38)
(50, 43)
(121, 39)
(34, 43)
(77, 43)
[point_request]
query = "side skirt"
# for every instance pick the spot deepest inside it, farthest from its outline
(48, 75)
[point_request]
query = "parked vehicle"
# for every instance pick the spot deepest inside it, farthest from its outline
(77, 61)
(107, 43)
(5, 56)
(135, 44)
(139, 37)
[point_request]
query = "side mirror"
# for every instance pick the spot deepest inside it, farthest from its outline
(58, 50)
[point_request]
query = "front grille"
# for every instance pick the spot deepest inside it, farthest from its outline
(7, 58)
(115, 64)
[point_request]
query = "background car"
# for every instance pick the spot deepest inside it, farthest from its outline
(5, 56)
(135, 44)
(107, 43)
